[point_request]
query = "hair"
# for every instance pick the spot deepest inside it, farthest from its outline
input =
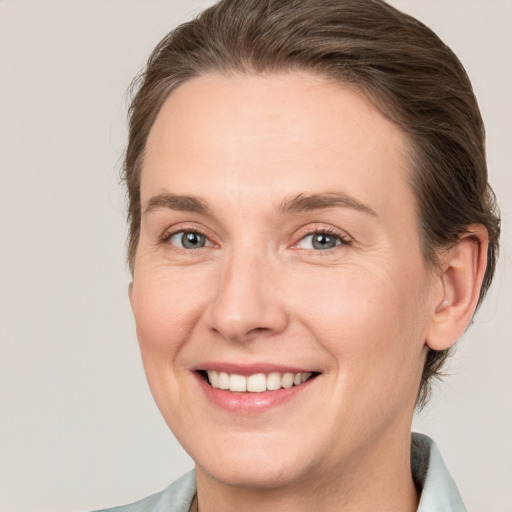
(397, 62)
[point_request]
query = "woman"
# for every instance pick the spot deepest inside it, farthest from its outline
(311, 230)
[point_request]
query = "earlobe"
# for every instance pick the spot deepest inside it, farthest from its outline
(462, 271)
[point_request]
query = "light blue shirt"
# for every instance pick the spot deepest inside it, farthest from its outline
(438, 490)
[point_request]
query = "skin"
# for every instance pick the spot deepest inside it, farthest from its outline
(361, 313)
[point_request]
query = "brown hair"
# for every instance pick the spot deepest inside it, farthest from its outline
(410, 75)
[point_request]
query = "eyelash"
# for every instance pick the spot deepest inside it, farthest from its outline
(343, 239)
(165, 239)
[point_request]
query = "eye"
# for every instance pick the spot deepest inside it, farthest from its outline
(320, 241)
(189, 240)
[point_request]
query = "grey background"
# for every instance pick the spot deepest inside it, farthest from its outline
(78, 427)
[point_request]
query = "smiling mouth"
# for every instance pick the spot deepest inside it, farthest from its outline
(256, 383)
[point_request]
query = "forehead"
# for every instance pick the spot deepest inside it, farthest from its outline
(281, 134)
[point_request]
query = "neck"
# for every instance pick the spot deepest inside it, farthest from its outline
(379, 480)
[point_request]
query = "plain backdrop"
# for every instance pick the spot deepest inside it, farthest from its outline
(78, 426)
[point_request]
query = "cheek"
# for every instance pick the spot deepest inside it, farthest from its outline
(166, 309)
(367, 314)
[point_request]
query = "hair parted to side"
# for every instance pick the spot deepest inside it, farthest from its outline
(408, 73)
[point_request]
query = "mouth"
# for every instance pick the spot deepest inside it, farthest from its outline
(253, 388)
(257, 382)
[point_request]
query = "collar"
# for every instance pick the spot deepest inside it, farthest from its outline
(438, 490)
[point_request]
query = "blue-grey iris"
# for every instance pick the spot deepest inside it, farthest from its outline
(193, 240)
(323, 241)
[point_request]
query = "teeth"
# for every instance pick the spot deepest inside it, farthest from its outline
(256, 383)
(237, 383)
(274, 381)
(223, 380)
(287, 380)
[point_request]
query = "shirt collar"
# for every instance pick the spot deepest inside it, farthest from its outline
(438, 490)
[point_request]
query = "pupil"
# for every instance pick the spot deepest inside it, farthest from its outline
(323, 241)
(193, 240)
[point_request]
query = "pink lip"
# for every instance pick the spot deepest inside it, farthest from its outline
(250, 403)
(250, 369)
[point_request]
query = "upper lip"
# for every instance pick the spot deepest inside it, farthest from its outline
(251, 368)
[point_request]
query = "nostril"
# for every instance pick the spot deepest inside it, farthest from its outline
(258, 329)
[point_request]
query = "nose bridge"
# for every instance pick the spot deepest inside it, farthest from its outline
(246, 302)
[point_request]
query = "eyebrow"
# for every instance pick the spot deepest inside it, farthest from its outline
(308, 202)
(297, 203)
(176, 202)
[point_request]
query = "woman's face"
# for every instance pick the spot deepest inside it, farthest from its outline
(279, 236)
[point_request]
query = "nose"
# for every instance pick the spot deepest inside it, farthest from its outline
(247, 302)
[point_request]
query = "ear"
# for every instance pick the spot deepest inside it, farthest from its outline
(130, 293)
(462, 270)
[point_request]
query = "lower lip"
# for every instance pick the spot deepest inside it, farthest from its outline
(250, 403)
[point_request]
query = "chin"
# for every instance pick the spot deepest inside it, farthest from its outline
(250, 462)
(250, 474)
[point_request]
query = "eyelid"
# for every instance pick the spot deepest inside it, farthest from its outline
(168, 233)
(309, 230)
(180, 234)
(304, 232)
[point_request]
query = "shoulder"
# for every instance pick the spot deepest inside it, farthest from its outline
(175, 498)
